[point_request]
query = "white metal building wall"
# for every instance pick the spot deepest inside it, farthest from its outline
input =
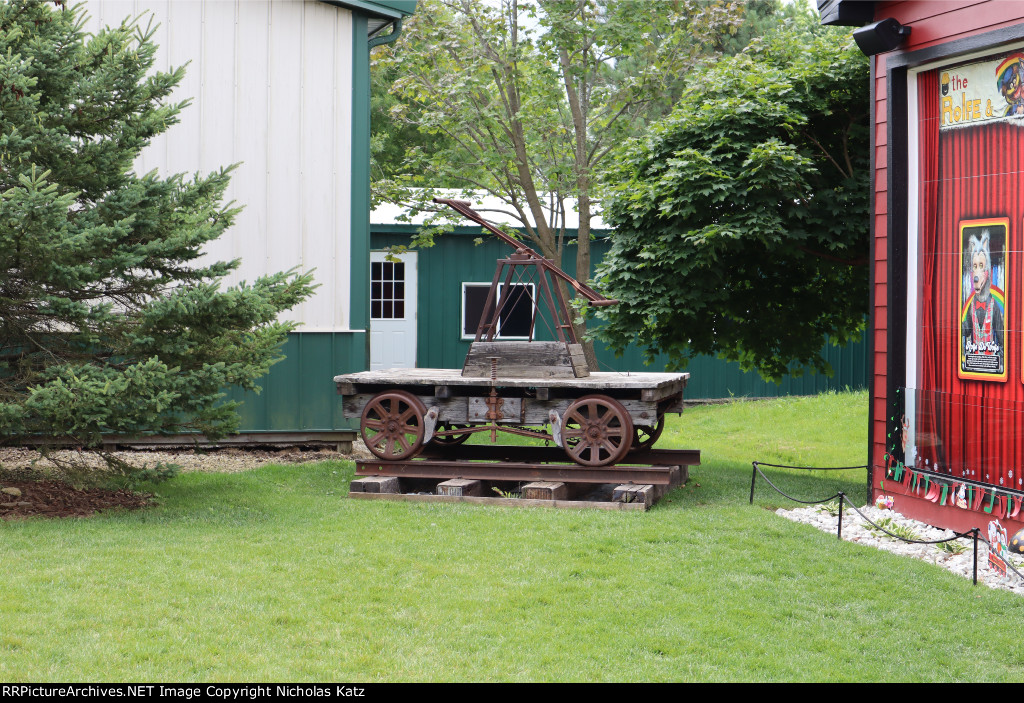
(271, 87)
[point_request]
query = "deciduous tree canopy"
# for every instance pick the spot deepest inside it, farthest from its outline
(531, 99)
(109, 321)
(741, 225)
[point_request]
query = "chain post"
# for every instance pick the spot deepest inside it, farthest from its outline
(753, 478)
(839, 531)
(975, 531)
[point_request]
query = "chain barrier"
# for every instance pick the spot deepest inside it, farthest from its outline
(975, 533)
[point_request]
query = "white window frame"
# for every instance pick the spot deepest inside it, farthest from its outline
(487, 284)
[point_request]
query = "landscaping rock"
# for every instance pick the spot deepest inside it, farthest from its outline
(855, 529)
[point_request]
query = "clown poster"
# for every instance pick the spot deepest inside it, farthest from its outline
(982, 309)
(982, 92)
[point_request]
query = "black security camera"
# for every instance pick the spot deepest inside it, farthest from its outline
(880, 37)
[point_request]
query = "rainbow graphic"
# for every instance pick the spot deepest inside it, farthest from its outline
(1007, 62)
(997, 293)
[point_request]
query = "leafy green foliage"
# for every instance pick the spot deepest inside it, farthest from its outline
(528, 101)
(887, 525)
(741, 226)
(953, 547)
(109, 320)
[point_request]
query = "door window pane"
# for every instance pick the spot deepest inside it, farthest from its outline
(387, 290)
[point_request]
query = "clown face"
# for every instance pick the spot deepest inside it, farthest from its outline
(980, 272)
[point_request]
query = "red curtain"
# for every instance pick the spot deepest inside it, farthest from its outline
(964, 427)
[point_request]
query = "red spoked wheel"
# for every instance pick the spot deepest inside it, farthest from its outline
(597, 431)
(452, 439)
(392, 425)
(645, 437)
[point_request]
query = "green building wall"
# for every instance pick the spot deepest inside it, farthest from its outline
(299, 395)
(455, 258)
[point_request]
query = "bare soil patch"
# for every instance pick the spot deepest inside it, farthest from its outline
(56, 499)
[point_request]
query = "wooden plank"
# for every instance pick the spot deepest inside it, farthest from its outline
(596, 382)
(452, 409)
(661, 392)
(375, 484)
(514, 410)
(459, 487)
(511, 410)
(578, 360)
(504, 502)
(675, 405)
(518, 360)
(511, 471)
(529, 411)
(546, 490)
(630, 493)
(535, 412)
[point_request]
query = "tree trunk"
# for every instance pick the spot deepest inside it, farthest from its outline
(579, 106)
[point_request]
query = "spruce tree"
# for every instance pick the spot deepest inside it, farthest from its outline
(109, 321)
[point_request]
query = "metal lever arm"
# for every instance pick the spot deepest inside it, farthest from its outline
(463, 208)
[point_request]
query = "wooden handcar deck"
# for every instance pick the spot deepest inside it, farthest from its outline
(646, 386)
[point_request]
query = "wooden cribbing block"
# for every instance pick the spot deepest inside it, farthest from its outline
(631, 493)
(546, 490)
(375, 484)
(459, 487)
(679, 476)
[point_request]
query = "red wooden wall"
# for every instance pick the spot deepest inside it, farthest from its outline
(933, 23)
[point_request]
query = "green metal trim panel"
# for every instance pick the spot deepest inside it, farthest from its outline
(389, 9)
(454, 260)
(299, 393)
(359, 305)
(406, 7)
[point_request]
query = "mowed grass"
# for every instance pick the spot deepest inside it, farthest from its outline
(274, 575)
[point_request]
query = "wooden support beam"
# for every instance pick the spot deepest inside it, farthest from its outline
(506, 502)
(631, 493)
(375, 484)
(546, 490)
(459, 487)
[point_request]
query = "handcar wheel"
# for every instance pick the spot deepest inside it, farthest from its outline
(392, 425)
(597, 431)
(645, 437)
(450, 440)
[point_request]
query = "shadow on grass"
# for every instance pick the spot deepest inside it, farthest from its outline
(719, 483)
(249, 496)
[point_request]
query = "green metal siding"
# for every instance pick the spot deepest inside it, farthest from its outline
(455, 259)
(298, 393)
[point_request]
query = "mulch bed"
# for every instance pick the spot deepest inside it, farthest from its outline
(55, 499)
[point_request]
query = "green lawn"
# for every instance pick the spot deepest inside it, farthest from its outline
(274, 575)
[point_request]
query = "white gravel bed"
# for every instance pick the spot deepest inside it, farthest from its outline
(856, 530)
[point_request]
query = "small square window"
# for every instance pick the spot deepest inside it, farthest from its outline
(516, 316)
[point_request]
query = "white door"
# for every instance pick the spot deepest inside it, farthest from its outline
(392, 311)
